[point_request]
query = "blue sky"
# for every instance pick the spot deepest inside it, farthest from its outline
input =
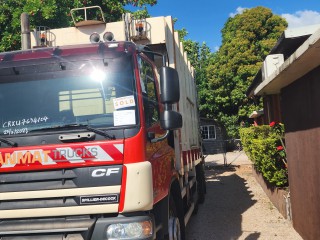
(204, 19)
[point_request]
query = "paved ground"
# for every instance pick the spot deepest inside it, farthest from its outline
(236, 206)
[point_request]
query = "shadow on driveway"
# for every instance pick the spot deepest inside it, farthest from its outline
(220, 217)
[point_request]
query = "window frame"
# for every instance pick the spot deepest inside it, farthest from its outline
(154, 78)
(208, 132)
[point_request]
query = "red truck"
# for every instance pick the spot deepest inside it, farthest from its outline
(99, 134)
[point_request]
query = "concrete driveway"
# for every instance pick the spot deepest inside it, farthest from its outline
(236, 206)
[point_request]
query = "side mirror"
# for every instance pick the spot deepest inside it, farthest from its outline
(170, 120)
(170, 94)
(169, 84)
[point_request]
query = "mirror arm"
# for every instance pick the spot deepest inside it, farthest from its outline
(163, 137)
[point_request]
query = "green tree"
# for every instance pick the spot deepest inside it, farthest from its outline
(246, 40)
(54, 14)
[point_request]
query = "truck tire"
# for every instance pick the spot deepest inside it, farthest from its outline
(176, 228)
(201, 183)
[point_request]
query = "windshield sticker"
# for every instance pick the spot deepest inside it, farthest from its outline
(124, 117)
(123, 102)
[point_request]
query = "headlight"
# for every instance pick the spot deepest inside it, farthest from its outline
(135, 230)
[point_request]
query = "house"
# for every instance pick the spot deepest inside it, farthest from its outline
(291, 94)
(213, 136)
(288, 43)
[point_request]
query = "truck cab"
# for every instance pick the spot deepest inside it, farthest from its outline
(91, 141)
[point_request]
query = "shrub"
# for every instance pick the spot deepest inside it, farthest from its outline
(262, 145)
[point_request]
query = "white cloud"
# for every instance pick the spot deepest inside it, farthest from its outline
(302, 18)
(239, 10)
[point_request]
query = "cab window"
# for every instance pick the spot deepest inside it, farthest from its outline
(149, 92)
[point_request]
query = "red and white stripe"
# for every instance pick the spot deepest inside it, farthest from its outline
(93, 153)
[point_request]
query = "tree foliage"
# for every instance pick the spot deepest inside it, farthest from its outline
(54, 14)
(246, 40)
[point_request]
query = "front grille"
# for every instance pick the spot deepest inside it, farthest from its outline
(29, 181)
(39, 203)
(74, 189)
(68, 236)
(77, 228)
(57, 179)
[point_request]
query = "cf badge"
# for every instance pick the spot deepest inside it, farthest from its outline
(101, 172)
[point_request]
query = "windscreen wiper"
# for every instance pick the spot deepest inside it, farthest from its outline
(77, 125)
(100, 132)
(9, 142)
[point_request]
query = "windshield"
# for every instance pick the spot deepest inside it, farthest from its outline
(99, 93)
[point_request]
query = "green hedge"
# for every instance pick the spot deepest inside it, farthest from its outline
(260, 144)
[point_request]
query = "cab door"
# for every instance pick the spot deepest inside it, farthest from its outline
(160, 154)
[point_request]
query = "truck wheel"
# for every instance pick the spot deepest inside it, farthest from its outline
(175, 228)
(201, 183)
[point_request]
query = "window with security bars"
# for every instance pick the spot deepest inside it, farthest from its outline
(208, 132)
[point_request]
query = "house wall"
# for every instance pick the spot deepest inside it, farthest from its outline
(214, 146)
(271, 106)
(300, 103)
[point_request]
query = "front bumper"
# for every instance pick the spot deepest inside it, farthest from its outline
(75, 228)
